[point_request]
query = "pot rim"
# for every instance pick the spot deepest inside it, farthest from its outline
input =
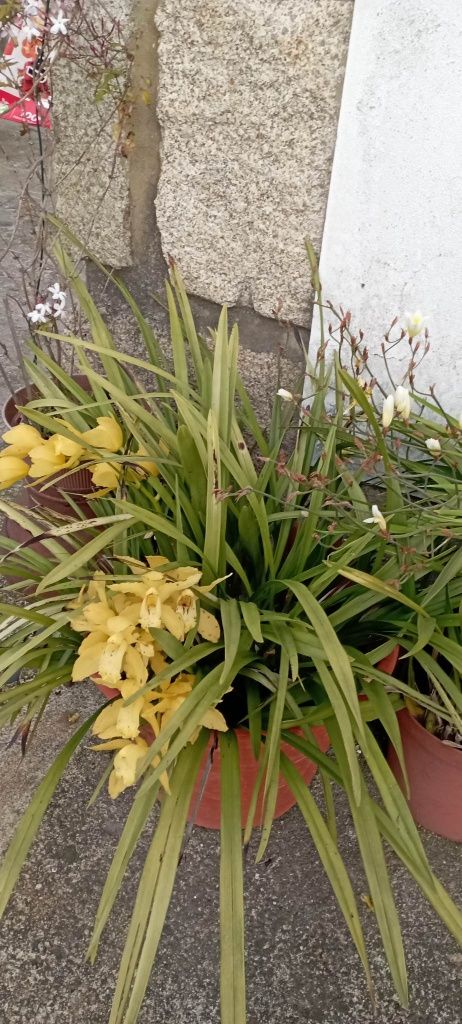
(431, 744)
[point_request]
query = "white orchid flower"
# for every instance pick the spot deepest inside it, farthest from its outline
(415, 323)
(433, 445)
(388, 411)
(403, 402)
(377, 518)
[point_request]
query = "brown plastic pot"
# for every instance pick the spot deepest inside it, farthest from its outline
(434, 771)
(22, 396)
(48, 495)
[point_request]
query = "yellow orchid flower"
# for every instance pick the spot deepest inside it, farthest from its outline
(146, 465)
(45, 460)
(208, 626)
(125, 770)
(21, 439)
(151, 610)
(106, 474)
(107, 434)
(12, 469)
(70, 449)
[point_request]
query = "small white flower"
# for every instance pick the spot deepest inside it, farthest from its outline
(31, 10)
(403, 402)
(59, 24)
(433, 445)
(30, 32)
(377, 518)
(40, 314)
(57, 293)
(286, 396)
(388, 411)
(415, 323)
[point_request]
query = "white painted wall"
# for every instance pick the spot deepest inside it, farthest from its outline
(393, 234)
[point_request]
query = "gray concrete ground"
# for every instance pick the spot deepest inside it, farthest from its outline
(302, 968)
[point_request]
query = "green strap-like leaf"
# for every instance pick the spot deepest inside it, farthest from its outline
(373, 858)
(155, 888)
(67, 567)
(272, 753)
(231, 886)
(134, 825)
(330, 857)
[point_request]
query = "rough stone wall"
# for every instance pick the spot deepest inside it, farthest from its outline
(91, 182)
(230, 166)
(248, 99)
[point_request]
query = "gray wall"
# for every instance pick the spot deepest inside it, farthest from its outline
(232, 132)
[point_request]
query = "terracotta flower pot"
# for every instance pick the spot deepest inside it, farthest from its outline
(434, 771)
(207, 813)
(22, 396)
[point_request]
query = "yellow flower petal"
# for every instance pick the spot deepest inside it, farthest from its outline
(158, 662)
(93, 638)
(127, 760)
(208, 626)
(97, 613)
(109, 745)
(12, 469)
(151, 610)
(107, 718)
(111, 660)
(149, 715)
(145, 464)
(134, 666)
(22, 438)
(128, 719)
(130, 587)
(107, 434)
(173, 622)
(119, 624)
(64, 446)
(154, 561)
(214, 719)
(116, 785)
(87, 664)
(105, 474)
(186, 608)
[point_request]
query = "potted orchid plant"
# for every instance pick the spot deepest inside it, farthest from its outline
(234, 608)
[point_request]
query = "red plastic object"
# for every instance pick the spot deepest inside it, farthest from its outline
(206, 813)
(389, 663)
(434, 772)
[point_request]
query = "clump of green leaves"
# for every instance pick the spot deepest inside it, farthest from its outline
(311, 599)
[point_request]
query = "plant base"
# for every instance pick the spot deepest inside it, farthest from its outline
(205, 806)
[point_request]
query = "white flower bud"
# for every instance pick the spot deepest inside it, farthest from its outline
(388, 411)
(415, 323)
(403, 402)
